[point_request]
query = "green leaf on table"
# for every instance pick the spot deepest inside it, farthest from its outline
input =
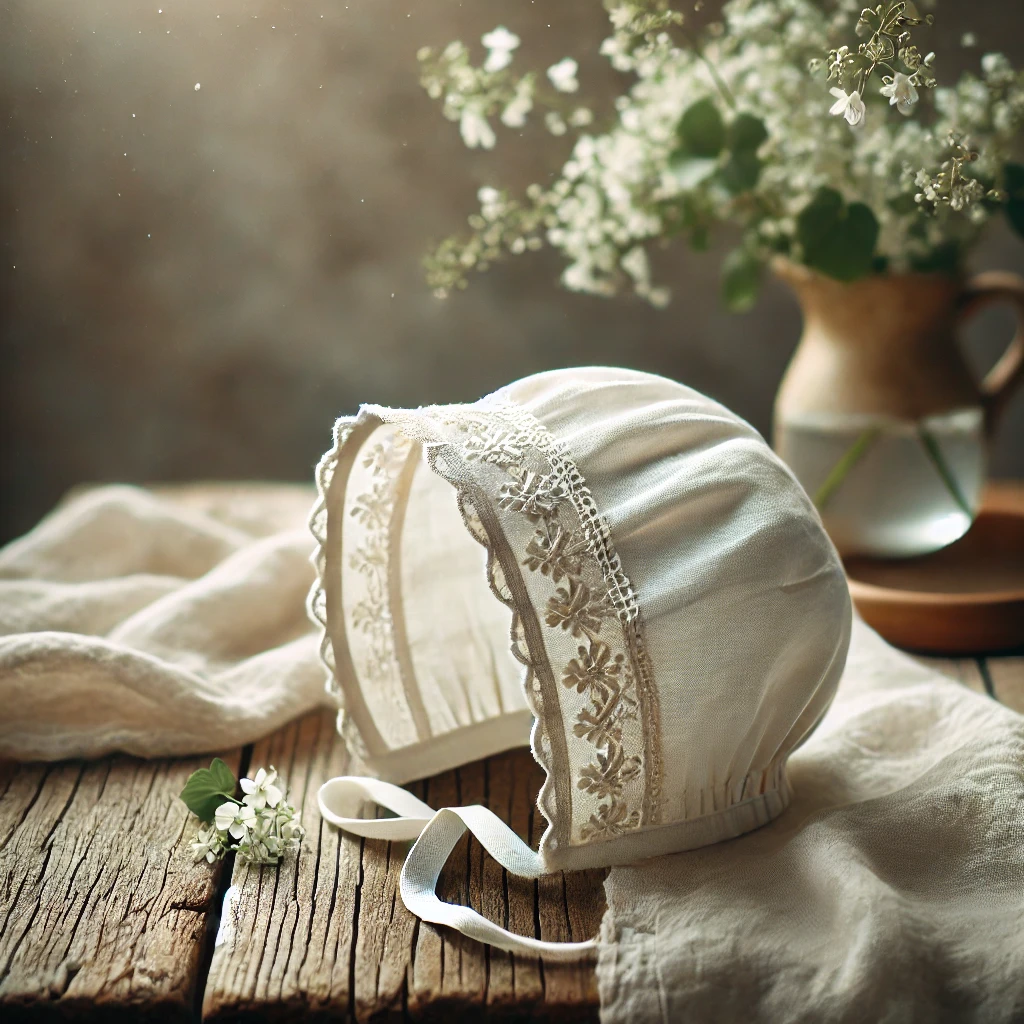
(837, 240)
(208, 788)
(1014, 182)
(741, 280)
(701, 130)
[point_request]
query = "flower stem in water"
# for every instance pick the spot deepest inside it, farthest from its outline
(931, 446)
(842, 468)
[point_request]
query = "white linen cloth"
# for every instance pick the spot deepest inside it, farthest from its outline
(892, 889)
(155, 626)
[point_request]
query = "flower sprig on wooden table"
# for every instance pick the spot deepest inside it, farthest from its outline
(258, 828)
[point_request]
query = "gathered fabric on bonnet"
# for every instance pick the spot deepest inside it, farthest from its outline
(679, 620)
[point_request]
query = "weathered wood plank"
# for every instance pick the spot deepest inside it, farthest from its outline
(103, 914)
(964, 670)
(325, 935)
(1006, 676)
(284, 947)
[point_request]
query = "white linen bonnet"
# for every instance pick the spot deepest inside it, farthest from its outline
(679, 620)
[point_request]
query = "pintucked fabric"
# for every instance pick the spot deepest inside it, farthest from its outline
(679, 617)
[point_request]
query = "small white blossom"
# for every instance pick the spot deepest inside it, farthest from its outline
(256, 849)
(848, 105)
(292, 831)
(454, 51)
(266, 833)
(514, 114)
(261, 791)
(208, 845)
(475, 129)
(500, 44)
(563, 75)
(659, 297)
(554, 123)
(901, 93)
(636, 264)
(235, 819)
(616, 49)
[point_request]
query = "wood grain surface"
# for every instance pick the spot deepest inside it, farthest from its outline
(103, 915)
(327, 936)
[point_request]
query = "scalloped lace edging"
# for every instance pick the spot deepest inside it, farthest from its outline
(316, 602)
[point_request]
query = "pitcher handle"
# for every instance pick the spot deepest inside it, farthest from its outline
(1000, 382)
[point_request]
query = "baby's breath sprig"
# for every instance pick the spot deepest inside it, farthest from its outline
(951, 186)
(259, 828)
(473, 95)
(504, 226)
(721, 126)
(888, 47)
(642, 19)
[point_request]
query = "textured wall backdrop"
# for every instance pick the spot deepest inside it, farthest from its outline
(195, 283)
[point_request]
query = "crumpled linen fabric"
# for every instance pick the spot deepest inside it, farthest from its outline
(892, 889)
(139, 623)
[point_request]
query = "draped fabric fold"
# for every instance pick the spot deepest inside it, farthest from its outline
(156, 625)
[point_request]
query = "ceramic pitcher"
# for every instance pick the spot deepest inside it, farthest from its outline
(878, 413)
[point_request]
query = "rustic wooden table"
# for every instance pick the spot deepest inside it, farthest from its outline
(103, 915)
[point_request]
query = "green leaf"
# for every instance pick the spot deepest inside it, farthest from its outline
(208, 788)
(691, 171)
(746, 133)
(741, 281)
(701, 130)
(820, 215)
(1014, 177)
(837, 240)
(1015, 215)
(1014, 181)
(742, 171)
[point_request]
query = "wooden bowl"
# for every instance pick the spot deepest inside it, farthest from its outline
(967, 598)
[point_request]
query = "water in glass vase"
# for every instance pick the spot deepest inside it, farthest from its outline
(888, 487)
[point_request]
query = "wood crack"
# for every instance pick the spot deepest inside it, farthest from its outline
(28, 807)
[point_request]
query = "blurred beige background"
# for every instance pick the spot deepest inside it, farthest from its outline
(195, 283)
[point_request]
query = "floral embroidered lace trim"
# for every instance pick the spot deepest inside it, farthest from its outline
(514, 481)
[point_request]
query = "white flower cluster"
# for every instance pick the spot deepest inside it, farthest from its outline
(259, 828)
(635, 183)
(474, 95)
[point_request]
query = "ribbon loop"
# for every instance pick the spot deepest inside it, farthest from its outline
(436, 833)
(342, 798)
